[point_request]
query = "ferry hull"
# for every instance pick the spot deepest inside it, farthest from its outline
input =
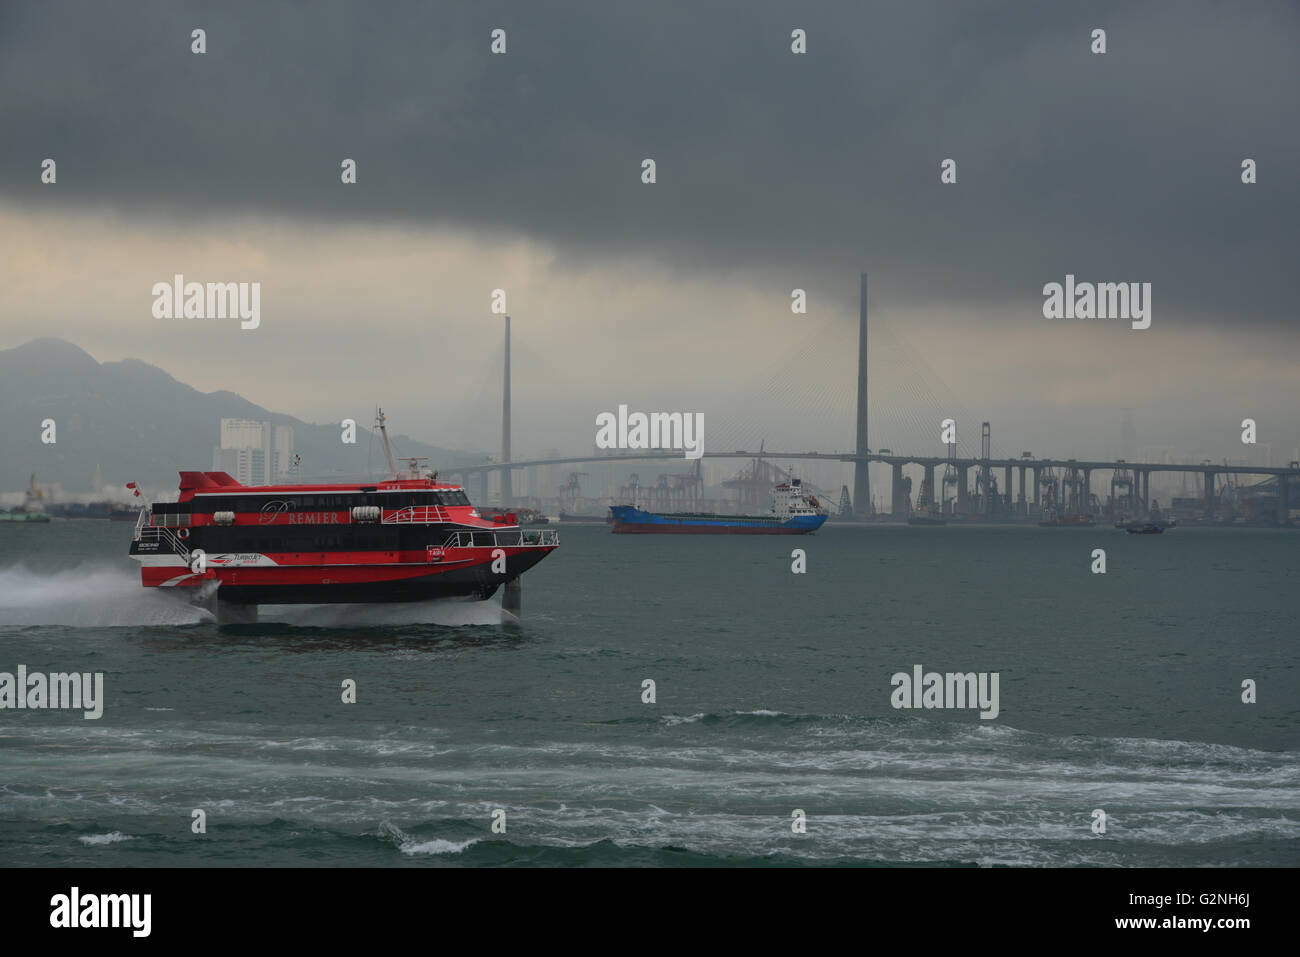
(476, 582)
(304, 584)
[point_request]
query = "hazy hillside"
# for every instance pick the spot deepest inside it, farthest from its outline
(137, 422)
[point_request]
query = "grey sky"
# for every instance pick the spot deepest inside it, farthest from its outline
(774, 171)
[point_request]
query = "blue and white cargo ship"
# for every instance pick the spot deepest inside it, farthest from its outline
(792, 513)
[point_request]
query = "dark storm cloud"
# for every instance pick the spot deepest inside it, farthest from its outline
(1116, 167)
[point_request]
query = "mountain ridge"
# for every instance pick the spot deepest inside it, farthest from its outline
(137, 422)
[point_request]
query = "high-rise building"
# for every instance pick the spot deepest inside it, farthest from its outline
(242, 433)
(255, 453)
(244, 464)
(281, 459)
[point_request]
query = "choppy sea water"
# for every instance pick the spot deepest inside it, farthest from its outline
(1119, 692)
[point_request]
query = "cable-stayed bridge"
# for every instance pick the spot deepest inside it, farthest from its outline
(981, 479)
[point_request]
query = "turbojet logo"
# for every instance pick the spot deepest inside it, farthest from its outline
(103, 910)
(56, 690)
(655, 430)
(179, 299)
(950, 690)
(1103, 300)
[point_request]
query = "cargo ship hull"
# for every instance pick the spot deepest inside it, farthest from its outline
(635, 521)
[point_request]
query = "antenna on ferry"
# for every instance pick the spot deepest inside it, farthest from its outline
(388, 449)
(413, 466)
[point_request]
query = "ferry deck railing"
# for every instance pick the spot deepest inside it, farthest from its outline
(416, 515)
(488, 538)
(167, 537)
(153, 528)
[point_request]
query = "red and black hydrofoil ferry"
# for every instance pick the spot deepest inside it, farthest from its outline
(410, 538)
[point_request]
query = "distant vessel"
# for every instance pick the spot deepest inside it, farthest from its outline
(792, 513)
(97, 510)
(1146, 528)
(32, 509)
(1140, 526)
(522, 517)
(18, 515)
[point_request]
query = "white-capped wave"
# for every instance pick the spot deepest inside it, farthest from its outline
(437, 846)
(409, 845)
